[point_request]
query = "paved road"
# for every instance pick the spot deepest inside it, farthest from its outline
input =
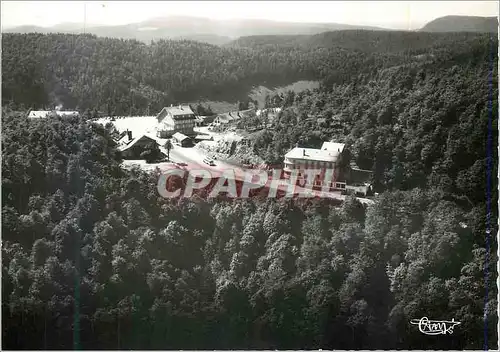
(194, 158)
(239, 174)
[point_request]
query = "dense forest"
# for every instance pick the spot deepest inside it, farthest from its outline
(128, 77)
(422, 123)
(94, 258)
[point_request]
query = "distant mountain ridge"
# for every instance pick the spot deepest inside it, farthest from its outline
(217, 32)
(462, 24)
(221, 32)
(354, 40)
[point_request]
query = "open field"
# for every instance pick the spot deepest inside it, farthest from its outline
(259, 93)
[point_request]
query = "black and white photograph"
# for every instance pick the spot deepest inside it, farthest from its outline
(249, 175)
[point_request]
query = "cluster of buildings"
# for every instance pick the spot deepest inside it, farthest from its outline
(178, 122)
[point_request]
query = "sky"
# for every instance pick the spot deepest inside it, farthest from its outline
(389, 14)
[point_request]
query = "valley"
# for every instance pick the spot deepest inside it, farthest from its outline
(402, 125)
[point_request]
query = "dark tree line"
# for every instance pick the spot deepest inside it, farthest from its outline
(93, 258)
(420, 124)
(120, 77)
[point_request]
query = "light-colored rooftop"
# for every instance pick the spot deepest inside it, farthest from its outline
(133, 142)
(179, 110)
(179, 136)
(40, 114)
(332, 146)
(66, 113)
(204, 137)
(312, 154)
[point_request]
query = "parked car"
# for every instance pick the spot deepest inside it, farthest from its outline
(209, 161)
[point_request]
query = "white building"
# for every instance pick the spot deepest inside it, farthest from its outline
(326, 158)
(175, 119)
(331, 159)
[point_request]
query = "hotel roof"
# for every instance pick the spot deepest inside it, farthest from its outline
(312, 154)
(329, 151)
(332, 146)
(176, 112)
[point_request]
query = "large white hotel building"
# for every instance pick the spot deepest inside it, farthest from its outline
(328, 159)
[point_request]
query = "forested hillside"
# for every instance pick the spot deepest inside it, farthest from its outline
(360, 41)
(416, 124)
(129, 77)
(123, 77)
(94, 258)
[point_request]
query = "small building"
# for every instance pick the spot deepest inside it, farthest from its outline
(204, 120)
(175, 119)
(182, 140)
(230, 119)
(42, 114)
(227, 118)
(131, 148)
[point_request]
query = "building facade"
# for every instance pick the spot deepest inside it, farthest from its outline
(336, 172)
(175, 119)
(181, 139)
(327, 159)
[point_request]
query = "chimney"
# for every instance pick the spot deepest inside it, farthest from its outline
(180, 106)
(171, 105)
(129, 133)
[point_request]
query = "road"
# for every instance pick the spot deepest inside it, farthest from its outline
(217, 170)
(193, 157)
